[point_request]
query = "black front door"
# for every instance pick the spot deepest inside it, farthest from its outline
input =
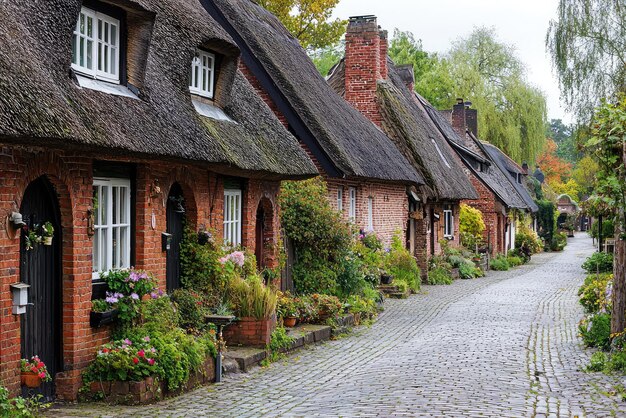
(175, 220)
(40, 267)
(259, 231)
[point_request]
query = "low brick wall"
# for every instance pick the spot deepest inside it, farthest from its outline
(250, 332)
(151, 389)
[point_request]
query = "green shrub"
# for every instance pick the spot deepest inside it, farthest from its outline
(360, 306)
(19, 407)
(608, 229)
(595, 330)
(350, 276)
(546, 220)
(499, 263)
(192, 309)
(599, 262)
(402, 265)
(593, 293)
(598, 362)
(527, 238)
(617, 362)
(127, 288)
(559, 241)
(280, 342)
(514, 261)
(439, 275)
(467, 270)
(471, 226)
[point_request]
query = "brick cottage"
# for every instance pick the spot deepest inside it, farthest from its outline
(499, 201)
(368, 178)
(368, 80)
(118, 138)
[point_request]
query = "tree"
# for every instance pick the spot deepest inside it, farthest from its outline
(325, 58)
(432, 75)
(555, 169)
(565, 138)
(308, 20)
(607, 145)
(585, 174)
(588, 47)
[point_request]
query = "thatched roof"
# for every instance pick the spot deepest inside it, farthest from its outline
(512, 170)
(344, 141)
(471, 151)
(406, 122)
(42, 104)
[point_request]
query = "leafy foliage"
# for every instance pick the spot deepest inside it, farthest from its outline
(588, 46)
(594, 294)
(251, 298)
(18, 407)
(555, 169)
(595, 330)
(402, 265)
(599, 262)
(500, 263)
(308, 20)
(545, 220)
(471, 226)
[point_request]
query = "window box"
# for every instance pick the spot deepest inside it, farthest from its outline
(98, 319)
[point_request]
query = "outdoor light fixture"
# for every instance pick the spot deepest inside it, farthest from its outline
(17, 220)
(20, 298)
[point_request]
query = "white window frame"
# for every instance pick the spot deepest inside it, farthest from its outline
(202, 78)
(352, 203)
(448, 222)
(104, 232)
(233, 203)
(370, 213)
(99, 44)
(340, 199)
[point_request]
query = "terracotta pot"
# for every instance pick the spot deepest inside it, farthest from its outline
(30, 379)
(47, 240)
(289, 321)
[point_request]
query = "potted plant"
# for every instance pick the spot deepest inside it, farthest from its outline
(102, 312)
(47, 232)
(385, 278)
(33, 372)
(287, 309)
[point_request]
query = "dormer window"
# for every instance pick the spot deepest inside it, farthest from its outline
(202, 78)
(96, 46)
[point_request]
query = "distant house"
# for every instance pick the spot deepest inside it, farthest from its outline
(119, 123)
(499, 198)
(368, 80)
(368, 178)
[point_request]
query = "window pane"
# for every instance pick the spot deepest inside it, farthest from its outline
(82, 50)
(82, 23)
(123, 205)
(105, 60)
(89, 27)
(74, 52)
(116, 249)
(96, 251)
(113, 61)
(114, 35)
(99, 29)
(104, 201)
(106, 32)
(114, 205)
(89, 54)
(104, 260)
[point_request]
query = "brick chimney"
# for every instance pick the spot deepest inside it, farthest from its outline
(471, 120)
(366, 63)
(459, 117)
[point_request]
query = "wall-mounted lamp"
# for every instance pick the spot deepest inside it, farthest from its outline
(14, 222)
(155, 189)
(17, 220)
(91, 228)
(20, 297)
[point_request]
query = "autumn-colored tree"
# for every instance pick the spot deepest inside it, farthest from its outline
(308, 20)
(555, 169)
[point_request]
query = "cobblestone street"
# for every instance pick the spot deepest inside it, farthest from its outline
(503, 345)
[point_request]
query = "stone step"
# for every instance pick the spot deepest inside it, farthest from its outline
(388, 288)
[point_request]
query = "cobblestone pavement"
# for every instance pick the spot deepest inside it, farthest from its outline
(502, 346)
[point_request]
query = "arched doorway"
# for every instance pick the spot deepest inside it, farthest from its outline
(40, 267)
(264, 234)
(175, 215)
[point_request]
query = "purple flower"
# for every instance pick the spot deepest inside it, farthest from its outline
(146, 339)
(128, 342)
(112, 297)
(237, 257)
(133, 277)
(134, 296)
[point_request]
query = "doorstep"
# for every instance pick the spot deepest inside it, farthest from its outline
(238, 359)
(392, 291)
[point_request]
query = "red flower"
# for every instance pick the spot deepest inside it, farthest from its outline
(34, 369)
(135, 360)
(42, 375)
(40, 365)
(105, 350)
(141, 353)
(151, 361)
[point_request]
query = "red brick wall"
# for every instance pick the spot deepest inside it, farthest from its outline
(71, 175)
(493, 214)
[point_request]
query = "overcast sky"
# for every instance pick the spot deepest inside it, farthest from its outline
(438, 23)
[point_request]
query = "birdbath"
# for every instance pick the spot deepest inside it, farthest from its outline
(220, 322)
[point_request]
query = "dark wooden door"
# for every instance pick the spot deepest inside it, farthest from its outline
(259, 231)
(40, 267)
(175, 221)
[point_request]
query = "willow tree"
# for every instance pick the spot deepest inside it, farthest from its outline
(587, 42)
(309, 21)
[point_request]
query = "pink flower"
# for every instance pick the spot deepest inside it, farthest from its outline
(237, 257)
(128, 342)
(141, 353)
(42, 375)
(223, 260)
(151, 361)
(146, 339)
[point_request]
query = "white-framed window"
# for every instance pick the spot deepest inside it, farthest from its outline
(202, 74)
(111, 240)
(96, 46)
(370, 213)
(352, 203)
(448, 222)
(232, 217)
(340, 199)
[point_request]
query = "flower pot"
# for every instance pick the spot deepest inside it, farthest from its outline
(30, 379)
(47, 240)
(290, 321)
(98, 319)
(385, 279)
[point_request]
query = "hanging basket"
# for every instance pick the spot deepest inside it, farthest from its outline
(47, 240)
(30, 379)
